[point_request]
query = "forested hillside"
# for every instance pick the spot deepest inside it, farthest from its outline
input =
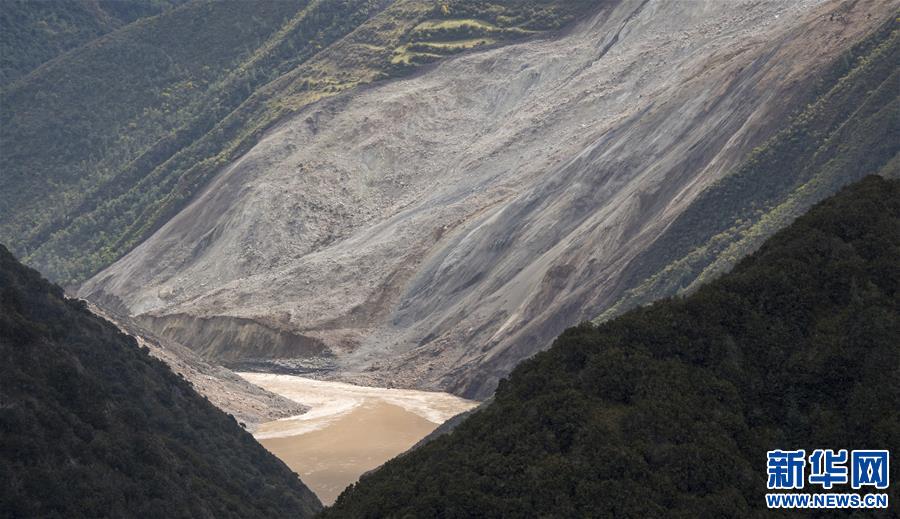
(104, 145)
(669, 409)
(93, 426)
(34, 32)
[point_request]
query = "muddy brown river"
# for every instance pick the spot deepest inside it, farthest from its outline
(349, 429)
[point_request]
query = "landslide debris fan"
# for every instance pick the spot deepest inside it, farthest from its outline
(92, 426)
(669, 409)
(516, 191)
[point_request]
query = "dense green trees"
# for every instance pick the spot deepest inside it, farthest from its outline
(93, 426)
(668, 410)
(34, 32)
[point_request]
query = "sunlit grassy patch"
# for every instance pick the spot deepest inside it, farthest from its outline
(438, 25)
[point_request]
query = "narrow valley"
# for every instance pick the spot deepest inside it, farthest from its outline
(367, 259)
(348, 430)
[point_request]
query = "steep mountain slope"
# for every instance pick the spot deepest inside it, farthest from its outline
(102, 146)
(92, 142)
(668, 411)
(849, 130)
(249, 404)
(32, 33)
(433, 232)
(92, 426)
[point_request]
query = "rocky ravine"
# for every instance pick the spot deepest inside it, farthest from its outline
(250, 405)
(433, 232)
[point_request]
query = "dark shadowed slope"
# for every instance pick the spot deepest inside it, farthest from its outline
(669, 410)
(33, 32)
(92, 426)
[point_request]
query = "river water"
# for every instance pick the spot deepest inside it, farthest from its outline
(349, 429)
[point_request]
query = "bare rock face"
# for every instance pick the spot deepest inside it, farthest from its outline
(435, 231)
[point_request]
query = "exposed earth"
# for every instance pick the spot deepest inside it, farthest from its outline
(433, 232)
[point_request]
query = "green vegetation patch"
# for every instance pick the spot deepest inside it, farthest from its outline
(432, 26)
(33, 32)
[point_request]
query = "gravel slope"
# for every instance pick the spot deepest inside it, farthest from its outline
(433, 232)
